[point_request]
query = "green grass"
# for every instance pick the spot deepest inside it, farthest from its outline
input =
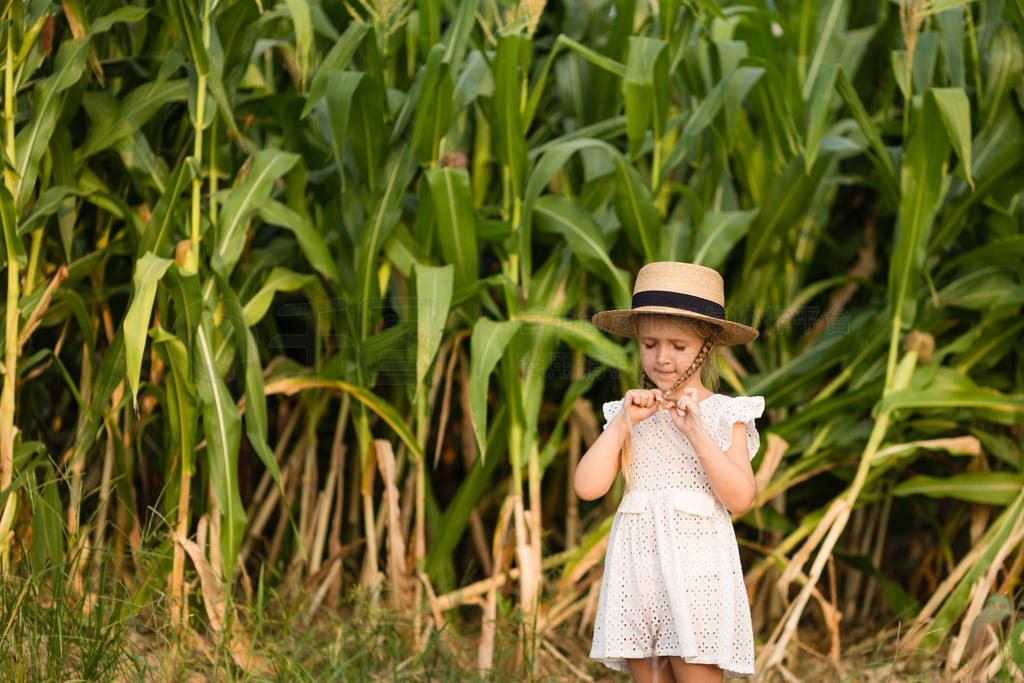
(55, 631)
(51, 633)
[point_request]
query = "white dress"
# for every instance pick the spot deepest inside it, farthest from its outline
(672, 582)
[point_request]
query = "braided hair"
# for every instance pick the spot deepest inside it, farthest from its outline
(709, 374)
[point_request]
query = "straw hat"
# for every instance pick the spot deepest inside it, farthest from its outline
(680, 289)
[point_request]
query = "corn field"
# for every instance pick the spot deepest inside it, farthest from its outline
(298, 294)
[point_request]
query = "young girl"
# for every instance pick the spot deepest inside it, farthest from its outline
(673, 606)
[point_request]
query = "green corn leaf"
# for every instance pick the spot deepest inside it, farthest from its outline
(881, 156)
(551, 162)
(452, 524)
(387, 412)
(126, 15)
(988, 403)
(487, 344)
(1015, 637)
(310, 242)
(267, 166)
(13, 247)
(575, 391)
(134, 110)
(48, 535)
(939, 6)
(366, 136)
(110, 376)
(988, 488)
(600, 60)
(983, 288)
(340, 88)
(474, 81)
(832, 23)
(149, 270)
(303, 22)
(993, 539)
(215, 78)
(187, 298)
(955, 112)
(552, 289)
(584, 238)
(355, 109)
(429, 16)
(925, 52)
(376, 230)
(704, 115)
(139, 158)
(668, 12)
(76, 305)
(594, 57)
(337, 59)
(279, 280)
(718, 233)
(435, 107)
(62, 156)
(645, 90)
(951, 30)
(785, 203)
(582, 335)
(508, 125)
(30, 32)
(1006, 65)
(222, 429)
(456, 224)
(182, 13)
(818, 112)
(433, 299)
(921, 181)
(182, 401)
(403, 250)
(1008, 158)
(255, 391)
(899, 72)
(535, 345)
(635, 208)
(166, 214)
(456, 39)
(32, 139)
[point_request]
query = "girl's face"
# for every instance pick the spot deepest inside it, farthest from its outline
(666, 351)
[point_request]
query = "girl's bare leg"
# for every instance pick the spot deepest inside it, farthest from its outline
(652, 670)
(694, 673)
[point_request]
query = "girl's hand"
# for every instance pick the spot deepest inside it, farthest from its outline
(639, 404)
(685, 412)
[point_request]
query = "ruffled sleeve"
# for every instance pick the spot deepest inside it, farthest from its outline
(743, 409)
(611, 409)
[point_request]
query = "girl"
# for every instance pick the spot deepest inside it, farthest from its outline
(673, 606)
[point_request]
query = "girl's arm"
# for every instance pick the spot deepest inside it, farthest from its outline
(729, 472)
(597, 468)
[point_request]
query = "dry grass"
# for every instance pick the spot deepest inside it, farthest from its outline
(363, 639)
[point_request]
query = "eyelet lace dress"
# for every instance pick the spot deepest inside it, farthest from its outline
(672, 582)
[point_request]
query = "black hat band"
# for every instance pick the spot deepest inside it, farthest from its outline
(684, 302)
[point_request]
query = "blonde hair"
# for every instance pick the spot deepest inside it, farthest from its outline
(706, 361)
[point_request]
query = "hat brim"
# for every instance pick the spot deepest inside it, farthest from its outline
(620, 322)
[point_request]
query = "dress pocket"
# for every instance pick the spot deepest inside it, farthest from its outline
(694, 502)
